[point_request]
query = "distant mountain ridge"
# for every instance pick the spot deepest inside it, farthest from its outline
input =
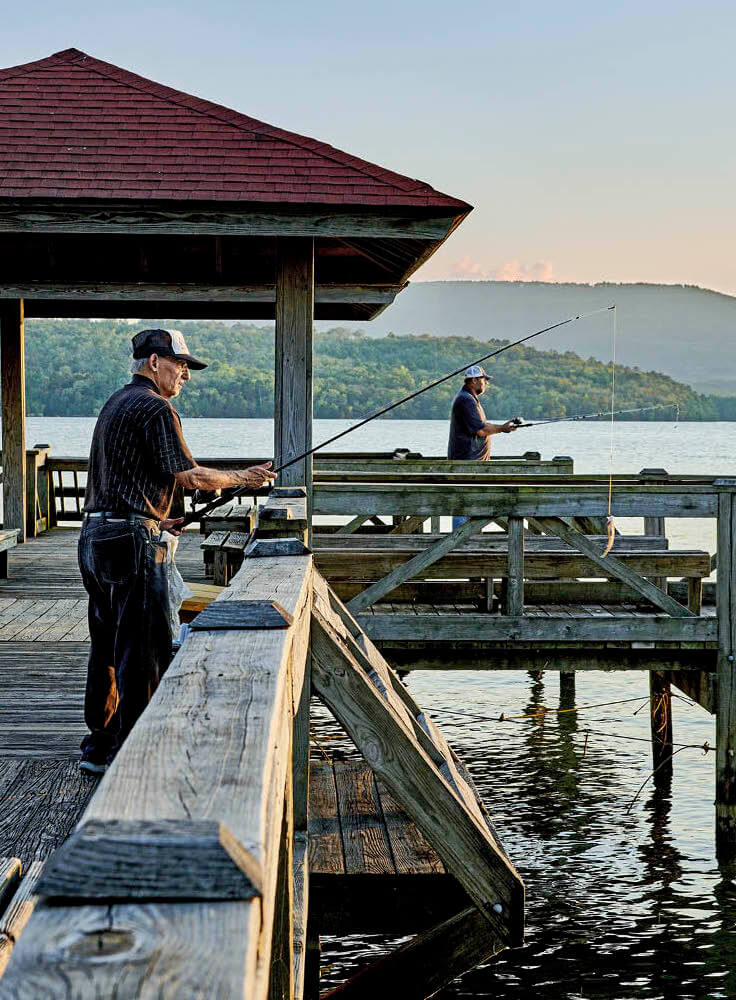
(682, 330)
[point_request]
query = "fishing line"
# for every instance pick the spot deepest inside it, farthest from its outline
(240, 491)
(610, 526)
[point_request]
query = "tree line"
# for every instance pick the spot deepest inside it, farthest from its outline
(74, 365)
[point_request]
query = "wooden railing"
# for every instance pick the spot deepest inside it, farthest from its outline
(185, 875)
(188, 873)
(63, 478)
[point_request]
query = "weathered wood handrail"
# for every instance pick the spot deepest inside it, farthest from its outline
(197, 806)
(521, 499)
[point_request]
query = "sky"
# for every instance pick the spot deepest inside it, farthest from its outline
(595, 142)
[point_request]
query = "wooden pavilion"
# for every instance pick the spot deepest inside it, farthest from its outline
(120, 197)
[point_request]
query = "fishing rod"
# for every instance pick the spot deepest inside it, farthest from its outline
(602, 413)
(242, 490)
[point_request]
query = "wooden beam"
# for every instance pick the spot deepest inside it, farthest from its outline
(123, 218)
(426, 963)
(584, 656)
(293, 386)
(141, 292)
(203, 309)
(353, 525)
(726, 674)
(358, 563)
(612, 566)
(13, 382)
(18, 913)
(514, 603)
(409, 526)
(632, 500)
(416, 565)
(525, 628)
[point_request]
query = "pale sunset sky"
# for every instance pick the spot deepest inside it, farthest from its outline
(596, 142)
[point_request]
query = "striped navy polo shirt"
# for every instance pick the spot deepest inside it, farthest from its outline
(137, 447)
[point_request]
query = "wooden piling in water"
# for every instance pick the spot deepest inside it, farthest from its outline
(726, 710)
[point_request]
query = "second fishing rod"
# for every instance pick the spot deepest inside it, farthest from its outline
(244, 490)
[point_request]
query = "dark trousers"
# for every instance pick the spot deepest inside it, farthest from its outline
(124, 572)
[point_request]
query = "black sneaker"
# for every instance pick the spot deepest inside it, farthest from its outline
(92, 767)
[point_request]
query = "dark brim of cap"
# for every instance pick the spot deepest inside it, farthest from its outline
(194, 363)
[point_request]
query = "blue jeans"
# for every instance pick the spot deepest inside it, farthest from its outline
(124, 571)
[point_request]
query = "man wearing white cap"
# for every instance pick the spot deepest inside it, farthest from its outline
(470, 432)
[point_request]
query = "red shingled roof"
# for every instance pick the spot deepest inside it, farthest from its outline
(74, 127)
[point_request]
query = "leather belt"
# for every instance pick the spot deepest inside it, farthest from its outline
(108, 515)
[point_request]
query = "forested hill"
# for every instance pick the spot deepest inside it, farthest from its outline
(74, 365)
(682, 330)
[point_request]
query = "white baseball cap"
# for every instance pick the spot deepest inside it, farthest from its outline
(475, 371)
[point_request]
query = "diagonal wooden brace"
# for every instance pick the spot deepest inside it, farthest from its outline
(613, 567)
(414, 566)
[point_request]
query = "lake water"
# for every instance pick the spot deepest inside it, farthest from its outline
(623, 901)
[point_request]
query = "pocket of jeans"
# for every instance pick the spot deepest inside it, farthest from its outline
(113, 559)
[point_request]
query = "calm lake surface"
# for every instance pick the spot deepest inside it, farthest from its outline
(623, 901)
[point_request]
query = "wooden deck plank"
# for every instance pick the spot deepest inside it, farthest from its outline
(61, 611)
(40, 803)
(365, 837)
(326, 854)
(412, 852)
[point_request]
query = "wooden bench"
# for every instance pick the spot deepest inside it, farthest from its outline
(8, 540)
(226, 551)
(233, 517)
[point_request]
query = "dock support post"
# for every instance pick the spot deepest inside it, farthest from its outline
(567, 688)
(515, 586)
(726, 713)
(13, 384)
(660, 703)
(293, 371)
(311, 964)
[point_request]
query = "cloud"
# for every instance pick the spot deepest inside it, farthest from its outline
(507, 270)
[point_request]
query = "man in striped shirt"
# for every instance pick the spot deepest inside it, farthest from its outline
(138, 456)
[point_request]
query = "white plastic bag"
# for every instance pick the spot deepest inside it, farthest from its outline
(178, 590)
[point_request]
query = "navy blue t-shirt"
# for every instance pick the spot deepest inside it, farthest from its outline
(466, 419)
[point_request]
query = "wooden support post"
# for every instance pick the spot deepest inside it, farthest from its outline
(726, 710)
(515, 589)
(13, 382)
(293, 375)
(654, 525)
(426, 963)
(44, 491)
(281, 984)
(567, 689)
(312, 960)
(435, 525)
(695, 594)
(660, 701)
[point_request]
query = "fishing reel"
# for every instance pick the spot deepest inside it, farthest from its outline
(518, 421)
